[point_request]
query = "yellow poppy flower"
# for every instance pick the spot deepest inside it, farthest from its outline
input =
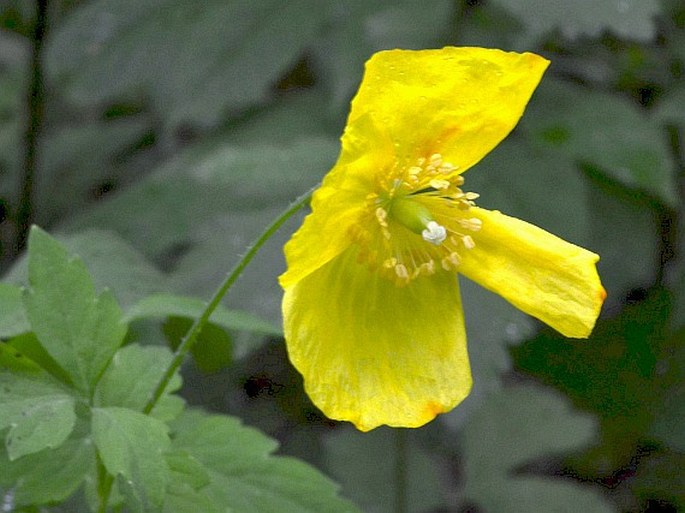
(372, 310)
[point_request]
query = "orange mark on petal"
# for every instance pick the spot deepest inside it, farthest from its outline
(602, 294)
(433, 409)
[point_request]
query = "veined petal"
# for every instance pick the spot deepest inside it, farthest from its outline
(374, 353)
(339, 204)
(539, 273)
(459, 102)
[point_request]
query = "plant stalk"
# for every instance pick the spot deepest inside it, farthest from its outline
(191, 337)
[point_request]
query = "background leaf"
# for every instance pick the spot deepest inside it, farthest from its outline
(514, 427)
(161, 306)
(627, 18)
(223, 68)
(366, 467)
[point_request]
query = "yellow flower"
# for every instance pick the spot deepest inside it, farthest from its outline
(372, 311)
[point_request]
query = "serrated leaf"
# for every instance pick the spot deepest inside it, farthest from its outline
(29, 346)
(244, 477)
(601, 129)
(48, 476)
(80, 330)
(111, 261)
(631, 19)
(365, 465)
(229, 65)
(519, 425)
(13, 319)
(131, 446)
(166, 305)
(132, 376)
(38, 411)
(186, 469)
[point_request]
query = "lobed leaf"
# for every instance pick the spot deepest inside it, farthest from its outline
(132, 376)
(131, 446)
(13, 319)
(79, 329)
(221, 69)
(601, 129)
(38, 410)
(244, 476)
(516, 426)
(631, 19)
(48, 476)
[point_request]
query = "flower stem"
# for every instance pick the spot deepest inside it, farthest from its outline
(191, 337)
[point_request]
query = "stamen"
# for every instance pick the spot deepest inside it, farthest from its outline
(439, 184)
(401, 271)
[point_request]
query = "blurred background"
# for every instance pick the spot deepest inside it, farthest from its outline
(156, 138)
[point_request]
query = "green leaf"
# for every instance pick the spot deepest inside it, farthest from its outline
(607, 132)
(365, 465)
(132, 376)
(244, 476)
(165, 305)
(38, 411)
(222, 69)
(79, 329)
(207, 181)
(77, 160)
(131, 446)
(517, 426)
(13, 319)
(615, 373)
(29, 346)
(111, 261)
(48, 476)
(631, 19)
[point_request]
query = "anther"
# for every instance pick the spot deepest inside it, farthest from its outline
(401, 271)
(439, 184)
(468, 242)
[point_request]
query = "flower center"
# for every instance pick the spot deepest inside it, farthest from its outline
(419, 222)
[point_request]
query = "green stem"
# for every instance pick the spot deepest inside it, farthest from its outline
(191, 337)
(401, 458)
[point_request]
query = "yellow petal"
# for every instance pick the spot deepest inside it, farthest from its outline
(373, 353)
(539, 273)
(459, 102)
(338, 205)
